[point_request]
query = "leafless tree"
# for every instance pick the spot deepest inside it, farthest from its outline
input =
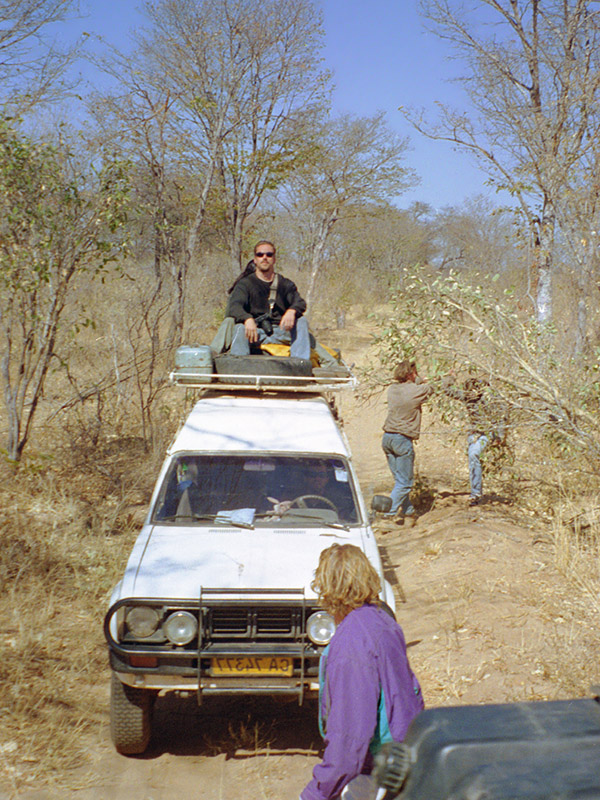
(475, 236)
(246, 74)
(32, 62)
(138, 120)
(579, 219)
(383, 239)
(353, 160)
(210, 106)
(533, 82)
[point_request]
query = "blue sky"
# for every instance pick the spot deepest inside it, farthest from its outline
(382, 57)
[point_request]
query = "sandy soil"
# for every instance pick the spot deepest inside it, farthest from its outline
(487, 617)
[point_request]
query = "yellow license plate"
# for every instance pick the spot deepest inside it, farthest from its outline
(252, 665)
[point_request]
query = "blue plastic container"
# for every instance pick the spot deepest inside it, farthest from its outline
(194, 364)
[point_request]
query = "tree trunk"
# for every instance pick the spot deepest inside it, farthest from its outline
(584, 286)
(543, 250)
(318, 249)
(235, 245)
(581, 332)
(13, 433)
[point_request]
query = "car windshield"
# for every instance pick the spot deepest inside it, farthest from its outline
(251, 491)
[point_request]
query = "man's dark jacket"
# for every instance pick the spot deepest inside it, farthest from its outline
(250, 298)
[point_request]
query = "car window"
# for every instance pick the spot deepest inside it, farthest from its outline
(258, 490)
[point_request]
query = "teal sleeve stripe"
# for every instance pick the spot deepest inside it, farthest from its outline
(323, 693)
(382, 731)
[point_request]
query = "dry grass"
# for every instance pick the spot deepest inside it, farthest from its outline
(65, 534)
(489, 630)
(503, 601)
(576, 536)
(67, 524)
(242, 736)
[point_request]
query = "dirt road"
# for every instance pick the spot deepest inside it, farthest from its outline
(486, 615)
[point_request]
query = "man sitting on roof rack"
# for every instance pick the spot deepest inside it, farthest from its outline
(267, 307)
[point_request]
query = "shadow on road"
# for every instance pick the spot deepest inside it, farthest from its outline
(240, 727)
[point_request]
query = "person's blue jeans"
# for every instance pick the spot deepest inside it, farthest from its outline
(400, 453)
(476, 444)
(298, 338)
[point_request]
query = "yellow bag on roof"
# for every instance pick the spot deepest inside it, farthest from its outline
(283, 350)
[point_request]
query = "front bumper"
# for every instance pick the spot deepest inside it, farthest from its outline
(269, 624)
(172, 672)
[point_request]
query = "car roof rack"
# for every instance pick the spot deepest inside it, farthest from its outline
(190, 379)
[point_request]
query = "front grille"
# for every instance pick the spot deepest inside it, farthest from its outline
(275, 620)
(226, 621)
(263, 622)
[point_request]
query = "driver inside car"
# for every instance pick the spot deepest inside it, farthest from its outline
(317, 488)
(316, 480)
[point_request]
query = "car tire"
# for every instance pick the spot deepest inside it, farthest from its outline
(130, 717)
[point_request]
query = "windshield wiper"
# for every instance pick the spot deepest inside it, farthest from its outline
(211, 517)
(296, 513)
(338, 525)
(236, 523)
(175, 517)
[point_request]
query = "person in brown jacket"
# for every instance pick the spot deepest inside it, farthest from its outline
(401, 428)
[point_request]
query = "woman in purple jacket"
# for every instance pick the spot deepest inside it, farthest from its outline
(369, 694)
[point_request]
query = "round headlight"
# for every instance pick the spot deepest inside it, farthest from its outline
(180, 627)
(142, 621)
(320, 627)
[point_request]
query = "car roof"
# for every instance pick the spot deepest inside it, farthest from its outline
(260, 424)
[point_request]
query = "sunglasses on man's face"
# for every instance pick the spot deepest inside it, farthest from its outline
(270, 254)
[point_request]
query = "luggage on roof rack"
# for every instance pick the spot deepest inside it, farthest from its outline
(274, 370)
(196, 366)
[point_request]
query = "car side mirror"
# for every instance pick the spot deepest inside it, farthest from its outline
(381, 503)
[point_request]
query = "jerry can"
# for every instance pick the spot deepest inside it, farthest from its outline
(194, 364)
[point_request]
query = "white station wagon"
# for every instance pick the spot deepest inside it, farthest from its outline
(216, 597)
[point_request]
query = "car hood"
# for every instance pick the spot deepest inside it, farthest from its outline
(176, 563)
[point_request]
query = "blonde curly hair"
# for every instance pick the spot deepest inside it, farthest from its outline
(345, 580)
